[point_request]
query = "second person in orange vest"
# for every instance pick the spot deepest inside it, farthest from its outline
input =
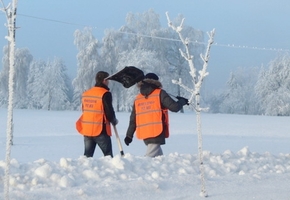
(149, 116)
(98, 113)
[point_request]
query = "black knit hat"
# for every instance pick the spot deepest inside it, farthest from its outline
(100, 76)
(152, 76)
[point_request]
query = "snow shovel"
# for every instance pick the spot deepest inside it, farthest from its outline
(118, 141)
(128, 76)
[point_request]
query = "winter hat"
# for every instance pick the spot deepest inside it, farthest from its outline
(100, 76)
(152, 76)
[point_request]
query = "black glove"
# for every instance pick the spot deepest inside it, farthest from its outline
(115, 122)
(182, 100)
(127, 140)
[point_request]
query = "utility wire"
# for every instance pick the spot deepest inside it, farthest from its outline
(163, 38)
(51, 20)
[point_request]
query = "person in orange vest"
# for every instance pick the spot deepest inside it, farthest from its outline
(98, 113)
(149, 116)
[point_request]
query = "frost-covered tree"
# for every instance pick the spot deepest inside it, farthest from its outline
(141, 31)
(177, 65)
(4, 78)
(49, 86)
(214, 100)
(273, 87)
(239, 97)
(110, 50)
(22, 61)
(10, 12)
(197, 80)
(36, 83)
(112, 45)
(88, 61)
(142, 26)
(58, 88)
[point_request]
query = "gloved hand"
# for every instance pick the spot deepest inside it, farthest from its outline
(182, 100)
(127, 140)
(115, 122)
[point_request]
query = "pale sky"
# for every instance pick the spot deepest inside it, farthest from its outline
(251, 23)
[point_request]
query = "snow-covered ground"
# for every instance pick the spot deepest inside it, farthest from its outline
(245, 157)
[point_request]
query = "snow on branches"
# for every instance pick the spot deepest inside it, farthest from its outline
(197, 78)
(11, 21)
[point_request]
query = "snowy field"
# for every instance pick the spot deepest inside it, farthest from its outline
(245, 157)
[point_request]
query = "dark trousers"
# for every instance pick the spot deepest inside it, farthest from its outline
(103, 141)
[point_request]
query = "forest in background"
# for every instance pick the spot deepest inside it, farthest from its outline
(39, 84)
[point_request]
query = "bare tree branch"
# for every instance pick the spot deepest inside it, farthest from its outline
(197, 80)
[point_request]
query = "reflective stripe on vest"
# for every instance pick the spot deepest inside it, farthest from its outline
(93, 116)
(149, 115)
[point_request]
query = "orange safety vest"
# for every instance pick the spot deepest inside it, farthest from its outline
(149, 116)
(93, 117)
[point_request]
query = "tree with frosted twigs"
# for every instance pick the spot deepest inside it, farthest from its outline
(141, 24)
(22, 61)
(88, 61)
(110, 51)
(142, 34)
(239, 96)
(171, 53)
(57, 90)
(35, 84)
(49, 86)
(197, 80)
(4, 76)
(273, 87)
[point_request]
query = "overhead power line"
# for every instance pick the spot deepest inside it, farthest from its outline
(51, 20)
(163, 38)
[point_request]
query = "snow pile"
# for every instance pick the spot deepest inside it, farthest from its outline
(245, 157)
(246, 162)
(135, 176)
